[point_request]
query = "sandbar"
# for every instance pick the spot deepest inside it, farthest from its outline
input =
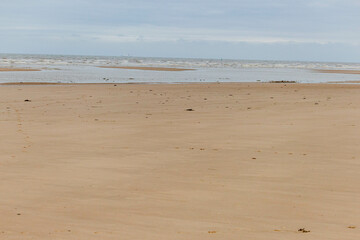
(150, 68)
(18, 70)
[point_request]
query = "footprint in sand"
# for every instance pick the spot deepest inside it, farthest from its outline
(21, 131)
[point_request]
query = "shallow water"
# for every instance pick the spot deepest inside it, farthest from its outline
(84, 69)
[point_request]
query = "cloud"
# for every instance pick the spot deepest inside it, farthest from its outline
(152, 33)
(208, 21)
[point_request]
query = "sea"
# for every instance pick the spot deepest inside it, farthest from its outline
(87, 69)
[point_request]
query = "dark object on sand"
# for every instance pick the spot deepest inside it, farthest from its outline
(282, 81)
(189, 109)
(303, 230)
(27, 100)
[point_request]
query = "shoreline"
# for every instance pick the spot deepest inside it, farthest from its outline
(174, 83)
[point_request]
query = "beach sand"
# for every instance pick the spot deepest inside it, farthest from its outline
(190, 161)
(18, 70)
(150, 68)
(340, 71)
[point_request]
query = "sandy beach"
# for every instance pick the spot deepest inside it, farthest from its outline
(180, 161)
(168, 69)
(2, 69)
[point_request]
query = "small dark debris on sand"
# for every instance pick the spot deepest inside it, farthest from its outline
(27, 100)
(189, 110)
(303, 230)
(282, 81)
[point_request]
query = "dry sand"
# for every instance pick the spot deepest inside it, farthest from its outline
(18, 70)
(251, 161)
(151, 68)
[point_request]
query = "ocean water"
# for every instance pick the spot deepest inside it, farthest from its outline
(85, 69)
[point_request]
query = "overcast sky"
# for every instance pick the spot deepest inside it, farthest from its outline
(315, 30)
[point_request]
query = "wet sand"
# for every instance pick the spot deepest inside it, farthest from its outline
(18, 70)
(131, 161)
(337, 71)
(151, 68)
(32, 83)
